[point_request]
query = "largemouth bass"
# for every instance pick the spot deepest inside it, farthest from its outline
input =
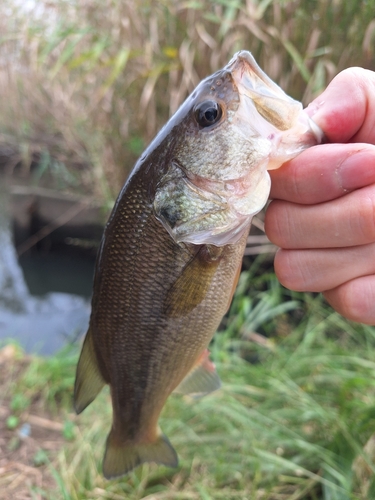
(172, 249)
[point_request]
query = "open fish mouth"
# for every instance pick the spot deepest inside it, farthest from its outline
(269, 99)
(272, 113)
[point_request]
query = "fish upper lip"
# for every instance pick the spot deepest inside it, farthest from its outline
(243, 59)
(252, 81)
(242, 63)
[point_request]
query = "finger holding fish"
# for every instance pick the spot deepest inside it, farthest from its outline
(345, 111)
(343, 222)
(319, 270)
(324, 173)
(354, 299)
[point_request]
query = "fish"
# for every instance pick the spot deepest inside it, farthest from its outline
(172, 249)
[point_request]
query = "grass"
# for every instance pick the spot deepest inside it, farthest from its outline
(295, 418)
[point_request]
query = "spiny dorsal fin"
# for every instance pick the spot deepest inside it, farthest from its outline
(119, 459)
(89, 381)
(202, 379)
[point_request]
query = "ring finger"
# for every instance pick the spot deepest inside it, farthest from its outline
(355, 299)
(324, 269)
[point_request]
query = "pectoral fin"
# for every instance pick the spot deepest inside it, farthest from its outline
(202, 379)
(89, 381)
(192, 285)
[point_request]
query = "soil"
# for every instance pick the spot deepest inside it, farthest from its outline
(26, 452)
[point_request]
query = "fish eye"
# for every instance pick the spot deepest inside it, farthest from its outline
(207, 113)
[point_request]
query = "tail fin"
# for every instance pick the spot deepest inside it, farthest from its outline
(89, 381)
(119, 459)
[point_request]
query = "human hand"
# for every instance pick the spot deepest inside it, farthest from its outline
(323, 213)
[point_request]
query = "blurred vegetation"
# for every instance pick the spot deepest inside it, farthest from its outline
(88, 84)
(294, 419)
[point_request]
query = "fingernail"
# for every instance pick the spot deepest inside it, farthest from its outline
(357, 169)
(316, 110)
(314, 107)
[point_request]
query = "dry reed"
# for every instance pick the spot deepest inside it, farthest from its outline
(91, 82)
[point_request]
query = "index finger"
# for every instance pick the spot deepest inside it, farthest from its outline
(346, 113)
(346, 109)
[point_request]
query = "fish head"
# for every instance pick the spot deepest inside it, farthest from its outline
(236, 125)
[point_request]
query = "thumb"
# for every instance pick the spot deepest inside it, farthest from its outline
(346, 109)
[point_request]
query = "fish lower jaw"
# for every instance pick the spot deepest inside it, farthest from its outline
(227, 225)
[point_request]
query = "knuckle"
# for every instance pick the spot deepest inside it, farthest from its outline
(365, 217)
(278, 223)
(291, 270)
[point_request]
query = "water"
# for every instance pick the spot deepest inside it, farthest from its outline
(44, 296)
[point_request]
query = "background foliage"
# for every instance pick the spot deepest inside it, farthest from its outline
(90, 82)
(294, 420)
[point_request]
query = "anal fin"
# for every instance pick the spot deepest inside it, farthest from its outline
(89, 381)
(202, 379)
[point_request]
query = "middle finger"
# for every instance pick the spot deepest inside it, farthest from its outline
(324, 173)
(343, 222)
